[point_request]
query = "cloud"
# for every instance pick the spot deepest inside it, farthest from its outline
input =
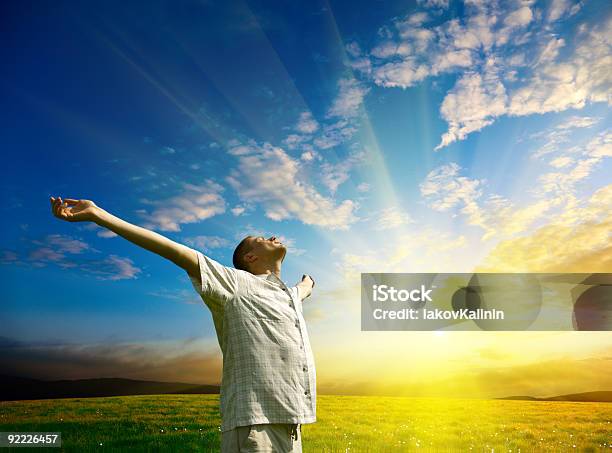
(185, 296)
(208, 243)
(239, 210)
(307, 124)
(578, 240)
(349, 99)
(390, 218)
(559, 8)
(571, 82)
(100, 231)
(557, 136)
(269, 176)
(433, 3)
(167, 150)
(472, 104)
(335, 134)
(364, 187)
(444, 189)
(8, 256)
(195, 203)
(61, 244)
(340, 126)
(67, 252)
(112, 268)
(293, 141)
(578, 162)
(191, 360)
(419, 249)
(510, 60)
(333, 175)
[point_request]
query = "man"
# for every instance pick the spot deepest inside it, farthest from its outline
(269, 380)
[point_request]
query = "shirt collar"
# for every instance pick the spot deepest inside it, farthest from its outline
(270, 276)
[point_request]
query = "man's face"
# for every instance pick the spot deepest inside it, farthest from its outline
(269, 249)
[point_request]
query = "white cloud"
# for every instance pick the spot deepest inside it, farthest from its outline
(556, 137)
(63, 244)
(390, 218)
(268, 176)
(107, 234)
(433, 3)
(334, 174)
(238, 210)
(579, 162)
(423, 249)
(348, 100)
(64, 251)
(292, 141)
(309, 155)
(115, 268)
(208, 243)
(583, 77)
(307, 124)
(510, 60)
(335, 134)
(364, 187)
(474, 103)
(559, 8)
(445, 189)
(195, 203)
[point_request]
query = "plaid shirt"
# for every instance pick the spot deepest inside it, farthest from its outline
(268, 367)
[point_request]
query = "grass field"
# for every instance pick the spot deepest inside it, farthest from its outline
(345, 423)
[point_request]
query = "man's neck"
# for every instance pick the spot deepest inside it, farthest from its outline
(272, 268)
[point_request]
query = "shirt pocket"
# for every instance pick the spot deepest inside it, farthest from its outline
(267, 304)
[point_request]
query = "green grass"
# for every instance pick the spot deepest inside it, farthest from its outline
(345, 423)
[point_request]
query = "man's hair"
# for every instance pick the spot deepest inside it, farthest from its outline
(242, 249)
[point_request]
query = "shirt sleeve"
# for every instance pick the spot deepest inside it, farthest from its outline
(299, 292)
(296, 292)
(216, 283)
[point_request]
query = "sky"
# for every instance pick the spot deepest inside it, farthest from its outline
(369, 136)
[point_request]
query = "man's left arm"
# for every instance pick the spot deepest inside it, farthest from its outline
(305, 286)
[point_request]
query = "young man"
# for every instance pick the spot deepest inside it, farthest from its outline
(269, 379)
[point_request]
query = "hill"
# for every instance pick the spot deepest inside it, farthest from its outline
(604, 396)
(19, 388)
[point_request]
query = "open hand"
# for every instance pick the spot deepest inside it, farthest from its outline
(73, 210)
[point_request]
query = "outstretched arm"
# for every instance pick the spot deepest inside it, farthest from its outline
(86, 210)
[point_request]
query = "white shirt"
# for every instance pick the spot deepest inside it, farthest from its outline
(269, 372)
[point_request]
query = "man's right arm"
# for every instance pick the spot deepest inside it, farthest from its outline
(179, 254)
(210, 278)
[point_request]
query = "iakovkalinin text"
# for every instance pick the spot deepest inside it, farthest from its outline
(384, 293)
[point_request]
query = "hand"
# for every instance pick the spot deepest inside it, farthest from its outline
(308, 279)
(73, 210)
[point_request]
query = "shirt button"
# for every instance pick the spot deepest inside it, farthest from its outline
(297, 325)
(304, 368)
(306, 392)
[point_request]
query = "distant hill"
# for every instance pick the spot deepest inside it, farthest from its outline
(19, 388)
(604, 396)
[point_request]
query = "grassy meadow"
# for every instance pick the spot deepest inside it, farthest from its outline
(345, 423)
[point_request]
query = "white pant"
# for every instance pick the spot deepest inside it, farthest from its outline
(269, 437)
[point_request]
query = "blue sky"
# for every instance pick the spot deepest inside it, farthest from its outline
(370, 136)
